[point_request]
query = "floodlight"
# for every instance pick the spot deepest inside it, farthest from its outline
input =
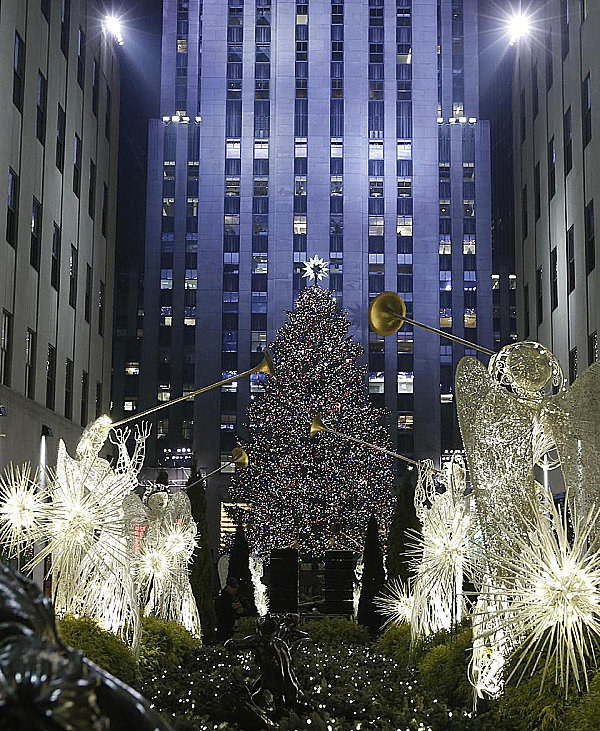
(112, 25)
(519, 26)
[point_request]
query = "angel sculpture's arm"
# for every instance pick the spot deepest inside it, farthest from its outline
(119, 438)
(142, 433)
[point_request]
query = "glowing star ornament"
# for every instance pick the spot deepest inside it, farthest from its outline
(316, 269)
(395, 603)
(21, 509)
(556, 603)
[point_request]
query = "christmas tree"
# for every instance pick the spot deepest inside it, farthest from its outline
(315, 493)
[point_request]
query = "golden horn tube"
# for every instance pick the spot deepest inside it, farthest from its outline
(239, 458)
(387, 314)
(265, 366)
(317, 426)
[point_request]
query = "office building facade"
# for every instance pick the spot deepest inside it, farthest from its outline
(557, 189)
(347, 130)
(58, 163)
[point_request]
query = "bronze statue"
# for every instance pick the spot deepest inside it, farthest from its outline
(46, 686)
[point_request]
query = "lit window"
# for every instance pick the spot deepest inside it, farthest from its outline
(300, 185)
(405, 421)
(469, 244)
(404, 150)
(468, 209)
(168, 207)
(446, 398)
(375, 150)
(404, 187)
(495, 281)
(228, 421)
(376, 225)
(405, 381)
(163, 396)
(299, 224)
(129, 405)
(189, 321)
(337, 185)
(132, 368)
(404, 226)
(512, 281)
(444, 208)
(376, 382)
(162, 429)
(445, 244)
(337, 148)
(445, 317)
(182, 45)
(259, 264)
(232, 186)
(259, 341)
(166, 279)
(232, 223)
(376, 187)
(261, 150)
(405, 342)
(233, 149)
(470, 318)
(300, 149)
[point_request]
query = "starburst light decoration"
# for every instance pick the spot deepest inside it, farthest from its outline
(261, 596)
(556, 602)
(316, 268)
(395, 603)
(22, 509)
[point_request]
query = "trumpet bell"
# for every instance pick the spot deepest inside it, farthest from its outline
(265, 366)
(387, 313)
(240, 458)
(317, 426)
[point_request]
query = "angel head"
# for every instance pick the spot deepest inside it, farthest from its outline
(526, 368)
(157, 501)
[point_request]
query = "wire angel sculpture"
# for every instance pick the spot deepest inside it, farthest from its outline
(162, 539)
(78, 522)
(538, 584)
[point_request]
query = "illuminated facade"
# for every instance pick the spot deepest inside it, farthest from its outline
(58, 166)
(347, 130)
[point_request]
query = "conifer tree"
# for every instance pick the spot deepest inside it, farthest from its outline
(404, 519)
(373, 580)
(239, 566)
(201, 567)
(315, 493)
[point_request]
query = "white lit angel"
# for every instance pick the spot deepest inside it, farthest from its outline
(162, 536)
(91, 570)
(441, 550)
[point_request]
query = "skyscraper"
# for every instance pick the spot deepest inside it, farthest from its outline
(58, 165)
(345, 129)
(556, 143)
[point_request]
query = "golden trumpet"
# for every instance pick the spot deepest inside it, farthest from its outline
(317, 426)
(387, 314)
(238, 457)
(265, 366)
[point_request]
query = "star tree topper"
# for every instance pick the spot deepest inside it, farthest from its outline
(316, 268)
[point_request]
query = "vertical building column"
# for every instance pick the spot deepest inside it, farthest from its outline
(425, 230)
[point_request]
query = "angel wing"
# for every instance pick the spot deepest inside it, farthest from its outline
(572, 417)
(497, 430)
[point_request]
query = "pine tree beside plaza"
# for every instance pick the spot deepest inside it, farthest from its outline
(239, 566)
(373, 580)
(201, 567)
(315, 493)
(404, 519)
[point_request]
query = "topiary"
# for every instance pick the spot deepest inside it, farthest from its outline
(337, 631)
(100, 646)
(443, 670)
(163, 644)
(395, 643)
(584, 715)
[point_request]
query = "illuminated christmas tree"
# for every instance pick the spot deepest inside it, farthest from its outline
(315, 493)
